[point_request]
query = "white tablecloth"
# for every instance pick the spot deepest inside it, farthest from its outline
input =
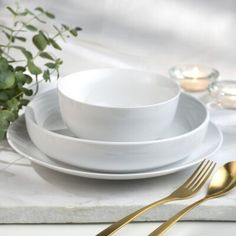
(147, 34)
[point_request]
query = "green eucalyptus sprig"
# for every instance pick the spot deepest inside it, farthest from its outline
(19, 73)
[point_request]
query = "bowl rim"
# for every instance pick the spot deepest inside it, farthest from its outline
(100, 142)
(173, 98)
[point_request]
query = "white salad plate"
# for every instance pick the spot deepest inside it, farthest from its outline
(20, 141)
(50, 135)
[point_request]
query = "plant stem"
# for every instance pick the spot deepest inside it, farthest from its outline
(58, 34)
(37, 85)
(7, 55)
(19, 30)
(13, 61)
(7, 28)
(37, 54)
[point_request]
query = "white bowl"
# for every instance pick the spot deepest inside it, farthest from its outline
(118, 104)
(48, 133)
(20, 141)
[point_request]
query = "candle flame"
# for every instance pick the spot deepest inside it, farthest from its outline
(196, 73)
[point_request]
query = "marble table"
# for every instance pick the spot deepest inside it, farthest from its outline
(33, 194)
(137, 229)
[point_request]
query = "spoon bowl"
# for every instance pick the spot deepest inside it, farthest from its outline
(223, 180)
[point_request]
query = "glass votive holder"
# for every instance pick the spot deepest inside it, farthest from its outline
(194, 78)
(225, 119)
(223, 93)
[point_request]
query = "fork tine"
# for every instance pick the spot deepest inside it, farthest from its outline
(203, 163)
(204, 178)
(199, 173)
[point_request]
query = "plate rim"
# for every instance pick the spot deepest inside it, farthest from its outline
(109, 143)
(114, 176)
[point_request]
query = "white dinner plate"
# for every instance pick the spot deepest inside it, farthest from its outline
(48, 132)
(20, 141)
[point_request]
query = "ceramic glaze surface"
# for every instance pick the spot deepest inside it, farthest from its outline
(118, 104)
(48, 132)
(119, 88)
(20, 141)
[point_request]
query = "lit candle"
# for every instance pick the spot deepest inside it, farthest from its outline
(224, 93)
(228, 98)
(228, 102)
(193, 78)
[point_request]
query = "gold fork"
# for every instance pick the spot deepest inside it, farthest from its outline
(223, 181)
(187, 190)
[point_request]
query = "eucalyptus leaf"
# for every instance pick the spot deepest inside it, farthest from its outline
(20, 85)
(7, 79)
(50, 65)
(28, 79)
(22, 39)
(3, 64)
(13, 104)
(54, 44)
(27, 54)
(78, 28)
(27, 92)
(31, 28)
(11, 10)
(44, 35)
(7, 115)
(2, 133)
(12, 92)
(65, 27)
(39, 41)
(74, 32)
(3, 125)
(58, 61)
(40, 9)
(20, 77)
(46, 55)
(20, 68)
(50, 15)
(35, 70)
(24, 102)
(3, 96)
(46, 75)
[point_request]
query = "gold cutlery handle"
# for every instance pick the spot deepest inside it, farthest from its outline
(117, 225)
(165, 226)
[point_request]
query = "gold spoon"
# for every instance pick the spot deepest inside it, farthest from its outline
(222, 182)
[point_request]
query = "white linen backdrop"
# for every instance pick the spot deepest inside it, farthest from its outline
(146, 34)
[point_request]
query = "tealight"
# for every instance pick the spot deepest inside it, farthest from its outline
(224, 93)
(194, 78)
